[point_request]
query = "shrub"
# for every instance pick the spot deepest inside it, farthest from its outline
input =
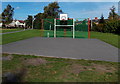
(111, 26)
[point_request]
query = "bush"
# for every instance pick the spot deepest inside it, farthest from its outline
(99, 27)
(112, 26)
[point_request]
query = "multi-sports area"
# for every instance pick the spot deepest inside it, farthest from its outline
(49, 45)
(74, 28)
(64, 38)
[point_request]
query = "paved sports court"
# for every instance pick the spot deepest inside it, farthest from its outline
(91, 49)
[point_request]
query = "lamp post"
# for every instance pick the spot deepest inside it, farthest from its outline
(91, 23)
(33, 22)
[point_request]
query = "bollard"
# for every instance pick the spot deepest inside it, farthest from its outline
(48, 35)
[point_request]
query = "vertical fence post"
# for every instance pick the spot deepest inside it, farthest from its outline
(42, 28)
(73, 29)
(89, 28)
(64, 32)
(54, 28)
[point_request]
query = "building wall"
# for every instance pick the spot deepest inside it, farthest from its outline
(12, 23)
(0, 24)
(20, 24)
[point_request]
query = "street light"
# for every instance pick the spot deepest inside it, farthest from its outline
(33, 22)
(91, 23)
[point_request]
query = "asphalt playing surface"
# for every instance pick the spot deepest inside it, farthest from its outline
(89, 49)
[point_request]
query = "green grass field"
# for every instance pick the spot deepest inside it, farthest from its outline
(44, 69)
(110, 38)
(8, 38)
(106, 37)
(9, 30)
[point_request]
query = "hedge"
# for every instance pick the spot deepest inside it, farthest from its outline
(112, 26)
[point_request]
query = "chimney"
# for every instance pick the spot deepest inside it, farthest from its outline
(96, 18)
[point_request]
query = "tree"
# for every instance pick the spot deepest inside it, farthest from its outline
(52, 10)
(102, 19)
(7, 14)
(29, 21)
(37, 21)
(108, 26)
(0, 18)
(112, 14)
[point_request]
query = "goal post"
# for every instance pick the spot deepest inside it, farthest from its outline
(57, 25)
(54, 28)
(73, 29)
(66, 27)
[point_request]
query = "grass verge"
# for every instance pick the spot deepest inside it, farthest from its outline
(9, 30)
(13, 37)
(106, 37)
(45, 69)
(110, 38)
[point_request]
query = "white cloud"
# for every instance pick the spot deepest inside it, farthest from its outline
(104, 9)
(60, 0)
(17, 8)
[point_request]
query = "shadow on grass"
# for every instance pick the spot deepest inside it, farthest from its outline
(17, 77)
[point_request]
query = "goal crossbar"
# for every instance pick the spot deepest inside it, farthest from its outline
(64, 26)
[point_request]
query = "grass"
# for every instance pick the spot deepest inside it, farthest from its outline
(9, 30)
(106, 37)
(58, 69)
(13, 37)
(110, 38)
(61, 70)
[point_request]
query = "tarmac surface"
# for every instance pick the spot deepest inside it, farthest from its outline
(88, 49)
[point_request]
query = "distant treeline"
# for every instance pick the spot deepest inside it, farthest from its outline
(111, 25)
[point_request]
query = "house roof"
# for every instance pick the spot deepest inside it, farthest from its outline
(21, 21)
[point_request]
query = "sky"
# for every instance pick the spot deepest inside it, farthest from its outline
(60, 0)
(73, 9)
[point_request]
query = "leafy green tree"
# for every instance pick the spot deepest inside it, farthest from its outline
(108, 26)
(102, 20)
(112, 14)
(29, 21)
(38, 19)
(0, 18)
(7, 14)
(52, 10)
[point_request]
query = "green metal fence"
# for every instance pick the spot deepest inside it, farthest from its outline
(81, 28)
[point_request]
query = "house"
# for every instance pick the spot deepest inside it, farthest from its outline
(95, 20)
(20, 23)
(81, 22)
(16, 23)
(0, 24)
